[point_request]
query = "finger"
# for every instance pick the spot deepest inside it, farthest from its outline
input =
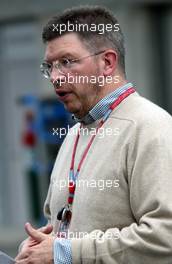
(46, 229)
(22, 255)
(23, 261)
(35, 234)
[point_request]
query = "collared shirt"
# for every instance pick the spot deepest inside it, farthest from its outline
(62, 247)
(99, 110)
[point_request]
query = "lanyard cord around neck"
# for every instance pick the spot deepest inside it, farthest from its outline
(73, 176)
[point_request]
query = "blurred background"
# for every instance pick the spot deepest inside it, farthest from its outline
(29, 109)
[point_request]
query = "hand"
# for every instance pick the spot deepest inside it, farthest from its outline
(41, 250)
(29, 242)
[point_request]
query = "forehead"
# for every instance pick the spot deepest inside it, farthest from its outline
(66, 44)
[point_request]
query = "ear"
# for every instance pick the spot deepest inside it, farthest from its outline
(110, 62)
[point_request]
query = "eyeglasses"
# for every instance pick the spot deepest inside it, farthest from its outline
(63, 65)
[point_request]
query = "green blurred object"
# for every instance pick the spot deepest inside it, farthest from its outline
(33, 182)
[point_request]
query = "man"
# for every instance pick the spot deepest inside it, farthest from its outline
(109, 199)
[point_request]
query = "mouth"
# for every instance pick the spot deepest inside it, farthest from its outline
(62, 94)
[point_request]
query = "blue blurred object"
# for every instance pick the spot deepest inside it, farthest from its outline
(49, 114)
(5, 259)
(41, 116)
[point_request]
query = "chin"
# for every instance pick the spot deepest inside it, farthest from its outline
(71, 108)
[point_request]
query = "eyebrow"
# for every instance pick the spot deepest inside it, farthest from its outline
(62, 55)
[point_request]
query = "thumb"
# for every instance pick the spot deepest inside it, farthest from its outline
(32, 232)
(46, 229)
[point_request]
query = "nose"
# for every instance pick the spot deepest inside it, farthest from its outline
(56, 77)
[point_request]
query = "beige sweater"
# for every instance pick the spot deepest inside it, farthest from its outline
(129, 220)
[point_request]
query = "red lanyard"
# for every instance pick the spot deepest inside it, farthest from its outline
(72, 175)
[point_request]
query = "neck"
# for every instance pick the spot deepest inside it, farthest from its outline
(109, 89)
(104, 91)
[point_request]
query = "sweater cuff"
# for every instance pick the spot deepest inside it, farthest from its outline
(82, 248)
(62, 251)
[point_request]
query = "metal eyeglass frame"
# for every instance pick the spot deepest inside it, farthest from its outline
(46, 67)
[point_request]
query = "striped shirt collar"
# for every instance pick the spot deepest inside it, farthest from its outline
(99, 110)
